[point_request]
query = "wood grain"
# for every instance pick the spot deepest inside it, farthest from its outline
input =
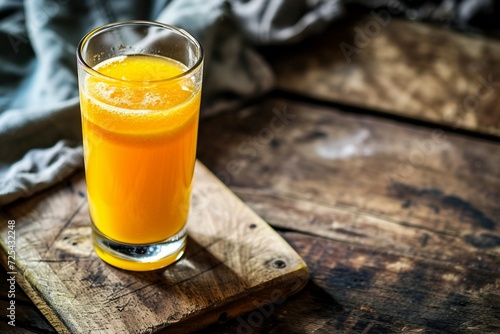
(393, 245)
(419, 206)
(358, 289)
(399, 224)
(399, 67)
(234, 262)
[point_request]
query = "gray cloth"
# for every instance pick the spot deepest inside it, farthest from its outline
(40, 135)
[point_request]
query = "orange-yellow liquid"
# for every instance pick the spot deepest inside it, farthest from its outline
(139, 146)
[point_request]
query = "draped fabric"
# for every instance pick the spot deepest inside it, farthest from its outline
(40, 134)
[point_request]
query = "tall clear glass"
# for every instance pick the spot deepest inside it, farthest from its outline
(140, 88)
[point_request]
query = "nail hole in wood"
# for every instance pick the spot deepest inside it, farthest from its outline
(279, 264)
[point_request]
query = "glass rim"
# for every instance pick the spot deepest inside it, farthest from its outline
(107, 26)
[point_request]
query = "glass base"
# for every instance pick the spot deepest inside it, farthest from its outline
(139, 257)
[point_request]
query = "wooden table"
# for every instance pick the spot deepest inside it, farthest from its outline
(381, 167)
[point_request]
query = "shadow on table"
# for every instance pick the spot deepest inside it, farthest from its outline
(296, 314)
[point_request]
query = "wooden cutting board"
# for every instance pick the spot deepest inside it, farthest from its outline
(234, 262)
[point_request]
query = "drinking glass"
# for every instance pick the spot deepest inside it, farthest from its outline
(140, 88)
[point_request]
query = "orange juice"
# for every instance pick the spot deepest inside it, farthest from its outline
(139, 143)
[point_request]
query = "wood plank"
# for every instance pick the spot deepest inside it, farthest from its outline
(408, 217)
(400, 67)
(427, 230)
(357, 289)
(362, 180)
(233, 259)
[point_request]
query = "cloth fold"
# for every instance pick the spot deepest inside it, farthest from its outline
(40, 135)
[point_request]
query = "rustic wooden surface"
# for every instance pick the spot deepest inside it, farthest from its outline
(399, 222)
(234, 262)
(399, 67)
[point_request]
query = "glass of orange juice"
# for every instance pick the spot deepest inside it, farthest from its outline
(140, 86)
